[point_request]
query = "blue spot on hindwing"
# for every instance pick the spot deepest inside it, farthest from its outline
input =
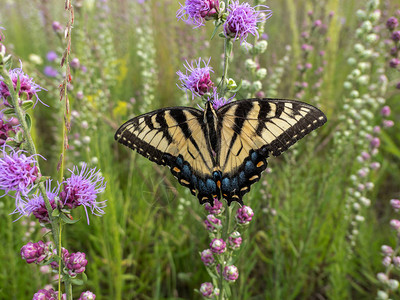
(186, 172)
(242, 178)
(194, 180)
(211, 186)
(179, 161)
(249, 167)
(254, 156)
(225, 184)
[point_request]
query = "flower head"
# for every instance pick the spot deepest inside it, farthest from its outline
(207, 257)
(197, 78)
(392, 23)
(27, 86)
(37, 252)
(49, 71)
(396, 36)
(50, 294)
(243, 19)
(216, 209)
(212, 223)
(195, 12)
(219, 102)
(88, 295)
(35, 205)
(82, 189)
(7, 128)
(218, 246)
(18, 172)
(235, 240)
(75, 263)
(206, 289)
(51, 56)
(244, 215)
(231, 273)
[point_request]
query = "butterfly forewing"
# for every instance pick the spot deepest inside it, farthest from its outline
(175, 137)
(253, 128)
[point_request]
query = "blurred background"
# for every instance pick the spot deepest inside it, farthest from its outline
(322, 209)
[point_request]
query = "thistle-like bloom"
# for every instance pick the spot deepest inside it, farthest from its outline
(219, 102)
(88, 295)
(242, 20)
(216, 209)
(197, 78)
(212, 223)
(395, 203)
(75, 263)
(82, 189)
(244, 215)
(392, 23)
(49, 71)
(195, 12)
(35, 205)
(235, 240)
(6, 128)
(51, 56)
(207, 257)
(218, 246)
(18, 172)
(37, 252)
(50, 294)
(396, 36)
(395, 224)
(206, 289)
(387, 250)
(28, 87)
(231, 273)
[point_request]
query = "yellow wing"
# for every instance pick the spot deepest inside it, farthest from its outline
(250, 130)
(175, 137)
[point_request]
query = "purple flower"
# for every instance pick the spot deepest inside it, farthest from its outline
(395, 224)
(49, 71)
(6, 128)
(50, 294)
(88, 295)
(75, 263)
(385, 111)
(395, 203)
(375, 142)
(396, 261)
(195, 12)
(396, 36)
(244, 215)
(235, 240)
(216, 209)
(51, 56)
(387, 250)
(231, 273)
(394, 62)
(18, 172)
(82, 189)
(207, 257)
(75, 64)
(212, 223)
(392, 23)
(197, 79)
(219, 102)
(218, 246)
(28, 87)
(206, 289)
(57, 27)
(388, 123)
(64, 256)
(35, 205)
(37, 252)
(243, 19)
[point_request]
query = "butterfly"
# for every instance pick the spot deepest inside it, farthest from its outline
(220, 153)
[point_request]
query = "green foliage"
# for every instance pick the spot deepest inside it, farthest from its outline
(146, 245)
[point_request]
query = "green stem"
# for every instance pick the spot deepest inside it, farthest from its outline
(31, 149)
(227, 53)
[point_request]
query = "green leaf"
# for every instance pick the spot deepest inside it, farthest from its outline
(215, 30)
(8, 111)
(77, 281)
(27, 104)
(68, 220)
(28, 121)
(55, 213)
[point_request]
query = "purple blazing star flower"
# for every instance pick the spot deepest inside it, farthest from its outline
(195, 12)
(219, 102)
(37, 252)
(216, 209)
(244, 215)
(88, 295)
(206, 289)
(50, 294)
(218, 246)
(35, 205)
(6, 128)
(75, 263)
(64, 256)
(82, 189)
(27, 86)
(243, 19)
(396, 36)
(235, 240)
(207, 257)
(49, 71)
(197, 79)
(18, 172)
(392, 23)
(51, 56)
(212, 223)
(231, 273)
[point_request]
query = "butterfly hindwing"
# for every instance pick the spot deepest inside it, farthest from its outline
(253, 128)
(175, 137)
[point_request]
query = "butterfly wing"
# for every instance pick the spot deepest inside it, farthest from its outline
(175, 137)
(250, 130)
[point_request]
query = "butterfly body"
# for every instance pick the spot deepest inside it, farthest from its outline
(220, 153)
